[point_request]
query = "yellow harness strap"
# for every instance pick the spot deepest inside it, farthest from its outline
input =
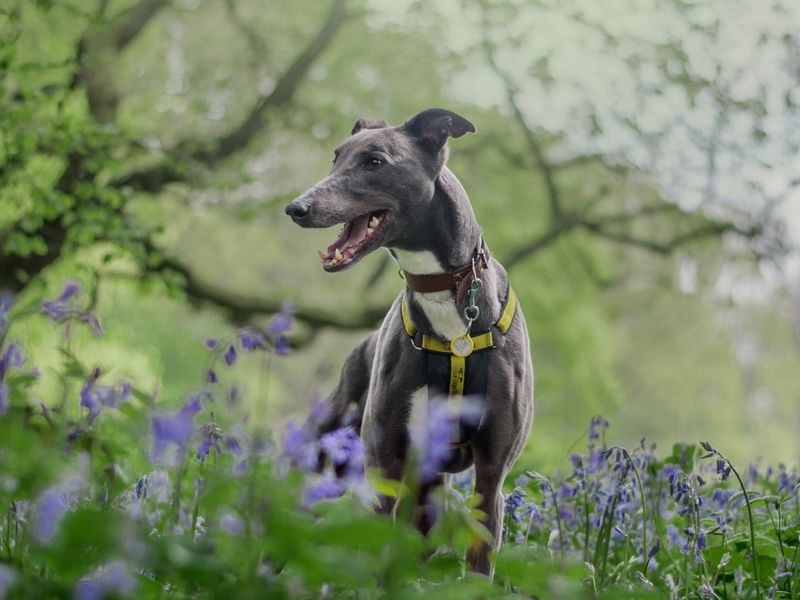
(458, 363)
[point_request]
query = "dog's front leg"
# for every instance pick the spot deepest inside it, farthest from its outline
(398, 371)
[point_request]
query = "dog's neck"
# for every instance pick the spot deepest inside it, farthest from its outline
(450, 238)
(450, 235)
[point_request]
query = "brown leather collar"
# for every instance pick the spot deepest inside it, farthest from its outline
(458, 280)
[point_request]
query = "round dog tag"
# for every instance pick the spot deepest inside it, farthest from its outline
(462, 345)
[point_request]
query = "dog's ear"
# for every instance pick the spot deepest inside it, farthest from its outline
(368, 124)
(432, 127)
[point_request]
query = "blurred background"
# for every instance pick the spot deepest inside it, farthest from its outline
(635, 167)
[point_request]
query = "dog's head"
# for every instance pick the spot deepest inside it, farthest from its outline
(381, 185)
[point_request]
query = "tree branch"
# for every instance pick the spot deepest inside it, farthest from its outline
(152, 179)
(130, 23)
(242, 310)
(553, 194)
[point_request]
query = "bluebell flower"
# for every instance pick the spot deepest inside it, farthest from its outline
(212, 376)
(48, 511)
(63, 308)
(230, 355)
(345, 450)
(8, 577)
(3, 398)
(211, 343)
(280, 325)
(433, 440)
(112, 579)
(211, 438)
(231, 523)
(252, 340)
(282, 322)
(326, 488)
(95, 396)
(175, 428)
(301, 447)
(11, 358)
(6, 303)
(514, 501)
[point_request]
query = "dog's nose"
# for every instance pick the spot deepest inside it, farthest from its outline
(298, 210)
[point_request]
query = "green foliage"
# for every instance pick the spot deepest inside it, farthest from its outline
(98, 505)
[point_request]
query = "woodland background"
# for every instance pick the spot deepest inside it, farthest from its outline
(635, 169)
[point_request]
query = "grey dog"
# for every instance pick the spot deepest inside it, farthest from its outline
(390, 188)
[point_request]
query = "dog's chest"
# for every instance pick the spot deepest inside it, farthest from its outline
(438, 307)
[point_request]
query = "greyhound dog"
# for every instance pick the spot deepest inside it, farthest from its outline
(390, 188)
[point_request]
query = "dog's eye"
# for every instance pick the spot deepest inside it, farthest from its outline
(374, 163)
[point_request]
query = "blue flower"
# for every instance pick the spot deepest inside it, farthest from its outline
(63, 308)
(175, 428)
(95, 396)
(279, 326)
(211, 439)
(8, 577)
(12, 358)
(252, 340)
(346, 451)
(6, 303)
(433, 440)
(211, 343)
(231, 523)
(48, 512)
(230, 355)
(514, 501)
(109, 580)
(3, 398)
(301, 448)
(326, 488)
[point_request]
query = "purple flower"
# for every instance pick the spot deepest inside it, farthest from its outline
(282, 322)
(48, 512)
(514, 501)
(211, 439)
(282, 346)
(109, 580)
(175, 428)
(3, 398)
(326, 488)
(212, 376)
(230, 355)
(231, 523)
(301, 448)
(8, 577)
(252, 340)
(212, 343)
(95, 396)
(279, 326)
(12, 358)
(63, 308)
(70, 289)
(346, 451)
(433, 441)
(6, 302)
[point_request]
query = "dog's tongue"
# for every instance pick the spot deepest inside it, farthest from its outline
(354, 232)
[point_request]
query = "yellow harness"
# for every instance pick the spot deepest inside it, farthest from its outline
(458, 350)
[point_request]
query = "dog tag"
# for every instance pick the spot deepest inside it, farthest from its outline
(462, 345)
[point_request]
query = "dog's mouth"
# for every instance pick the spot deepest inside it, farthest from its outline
(357, 238)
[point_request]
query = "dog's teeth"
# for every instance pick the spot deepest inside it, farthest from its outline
(337, 255)
(374, 222)
(322, 255)
(370, 230)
